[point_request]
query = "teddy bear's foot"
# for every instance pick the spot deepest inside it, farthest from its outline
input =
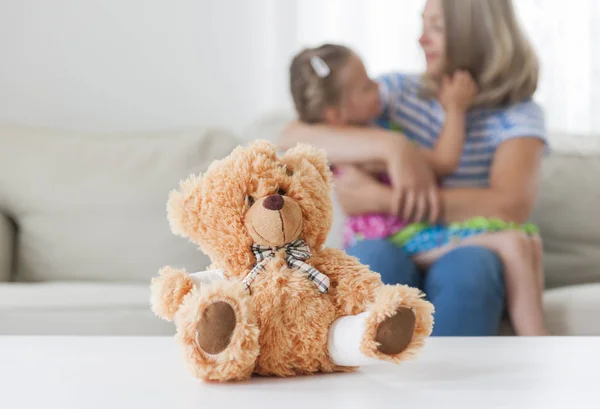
(395, 333)
(221, 334)
(398, 323)
(215, 327)
(392, 336)
(344, 343)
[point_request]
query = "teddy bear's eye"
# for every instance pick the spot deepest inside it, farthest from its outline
(250, 200)
(281, 192)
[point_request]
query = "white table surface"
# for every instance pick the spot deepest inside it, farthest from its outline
(146, 373)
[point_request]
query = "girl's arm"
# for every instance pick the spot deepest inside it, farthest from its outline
(456, 95)
(444, 158)
(345, 145)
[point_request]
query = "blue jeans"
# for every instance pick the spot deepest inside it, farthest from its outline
(466, 285)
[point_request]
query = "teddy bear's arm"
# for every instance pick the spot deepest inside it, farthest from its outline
(352, 284)
(167, 291)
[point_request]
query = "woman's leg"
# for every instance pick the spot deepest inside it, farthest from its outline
(467, 289)
(389, 260)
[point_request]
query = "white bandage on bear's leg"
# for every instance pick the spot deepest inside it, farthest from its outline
(207, 277)
(345, 336)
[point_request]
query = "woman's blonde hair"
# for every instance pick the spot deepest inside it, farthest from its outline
(312, 92)
(484, 38)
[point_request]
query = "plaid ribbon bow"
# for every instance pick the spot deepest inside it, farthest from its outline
(296, 252)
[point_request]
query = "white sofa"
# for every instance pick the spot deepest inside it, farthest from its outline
(83, 227)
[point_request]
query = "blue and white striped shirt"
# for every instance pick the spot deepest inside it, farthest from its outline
(422, 121)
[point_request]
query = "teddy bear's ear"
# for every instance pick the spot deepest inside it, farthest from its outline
(316, 157)
(183, 206)
(168, 290)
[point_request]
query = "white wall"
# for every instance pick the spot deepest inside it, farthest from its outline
(132, 64)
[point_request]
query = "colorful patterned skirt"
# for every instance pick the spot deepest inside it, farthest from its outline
(422, 237)
(419, 238)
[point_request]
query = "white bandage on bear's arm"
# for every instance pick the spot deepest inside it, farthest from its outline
(345, 336)
(207, 277)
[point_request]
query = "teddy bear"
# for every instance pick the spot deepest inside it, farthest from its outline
(276, 301)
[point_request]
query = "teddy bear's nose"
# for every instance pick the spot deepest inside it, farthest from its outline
(273, 202)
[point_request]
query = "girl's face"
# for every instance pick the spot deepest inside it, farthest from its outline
(360, 103)
(433, 38)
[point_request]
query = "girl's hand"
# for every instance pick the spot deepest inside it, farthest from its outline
(415, 192)
(458, 92)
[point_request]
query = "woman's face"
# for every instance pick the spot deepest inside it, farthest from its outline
(433, 38)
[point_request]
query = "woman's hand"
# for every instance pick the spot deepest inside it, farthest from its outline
(415, 194)
(358, 192)
(457, 92)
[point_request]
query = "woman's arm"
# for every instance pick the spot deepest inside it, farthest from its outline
(414, 185)
(511, 196)
(345, 145)
(514, 185)
(360, 193)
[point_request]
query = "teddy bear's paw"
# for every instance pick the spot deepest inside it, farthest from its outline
(219, 332)
(215, 327)
(395, 333)
(168, 290)
(399, 321)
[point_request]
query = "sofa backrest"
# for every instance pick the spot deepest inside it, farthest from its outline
(6, 248)
(568, 210)
(93, 206)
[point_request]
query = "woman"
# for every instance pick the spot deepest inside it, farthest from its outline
(498, 175)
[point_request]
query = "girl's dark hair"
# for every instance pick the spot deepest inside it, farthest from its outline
(313, 93)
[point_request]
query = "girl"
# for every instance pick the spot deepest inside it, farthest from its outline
(330, 86)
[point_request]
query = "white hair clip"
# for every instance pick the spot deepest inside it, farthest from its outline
(321, 69)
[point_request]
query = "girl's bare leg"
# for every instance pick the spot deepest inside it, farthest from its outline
(538, 252)
(521, 256)
(524, 283)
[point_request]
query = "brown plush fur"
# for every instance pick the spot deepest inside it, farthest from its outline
(282, 325)
(167, 292)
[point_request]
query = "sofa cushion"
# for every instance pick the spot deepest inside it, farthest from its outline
(60, 308)
(93, 206)
(568, 311)
(6, 248)
(573, 310)
(567, 212)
